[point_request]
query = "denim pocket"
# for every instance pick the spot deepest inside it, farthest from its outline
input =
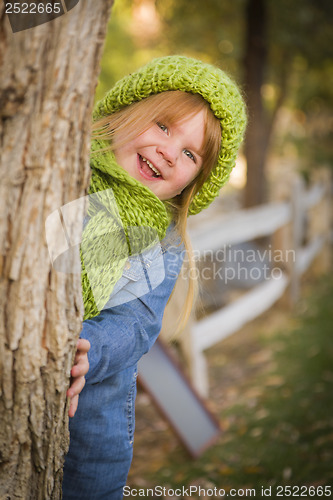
(131, 409)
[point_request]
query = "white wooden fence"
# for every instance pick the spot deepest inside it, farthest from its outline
(283, 221)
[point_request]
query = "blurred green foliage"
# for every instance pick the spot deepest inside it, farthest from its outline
(300, 56)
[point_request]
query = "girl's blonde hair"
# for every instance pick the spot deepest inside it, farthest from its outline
(168, 107)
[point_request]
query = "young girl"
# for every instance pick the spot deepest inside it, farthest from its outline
(165, 140)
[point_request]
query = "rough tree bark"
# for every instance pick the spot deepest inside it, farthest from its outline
(48, 79)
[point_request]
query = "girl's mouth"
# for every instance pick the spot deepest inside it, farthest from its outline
(147, 169)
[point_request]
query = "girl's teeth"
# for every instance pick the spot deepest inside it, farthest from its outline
(150, 165)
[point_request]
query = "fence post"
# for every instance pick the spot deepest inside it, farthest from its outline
(297, 230)
(320, 222)
(199, 372)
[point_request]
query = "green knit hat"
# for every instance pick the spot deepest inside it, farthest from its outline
(196, 77)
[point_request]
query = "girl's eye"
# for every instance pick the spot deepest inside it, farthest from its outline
(190, 155)
(162, 127)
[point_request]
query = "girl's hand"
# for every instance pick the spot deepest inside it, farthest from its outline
(78, 372)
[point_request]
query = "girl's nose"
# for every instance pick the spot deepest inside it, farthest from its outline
(168, 151)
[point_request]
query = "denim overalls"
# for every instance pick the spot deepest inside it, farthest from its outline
(101, 432)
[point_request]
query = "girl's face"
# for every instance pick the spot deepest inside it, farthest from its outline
(165, 158)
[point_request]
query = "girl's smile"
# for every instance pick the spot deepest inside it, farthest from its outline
(147, 169)
(165, 158)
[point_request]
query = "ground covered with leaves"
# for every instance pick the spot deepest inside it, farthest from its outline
(272, 390)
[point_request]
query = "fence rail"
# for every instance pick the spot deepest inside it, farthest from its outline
(243, 225)
(290, 217)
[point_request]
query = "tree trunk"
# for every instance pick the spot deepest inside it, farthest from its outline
(257, 136)
(48, 78)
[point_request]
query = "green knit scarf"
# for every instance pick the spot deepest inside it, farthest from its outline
(124, 218)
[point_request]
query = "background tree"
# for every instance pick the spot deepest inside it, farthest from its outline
(300, 66)
(258, 131)
(286, 77)
(48, 79)
(287, 46)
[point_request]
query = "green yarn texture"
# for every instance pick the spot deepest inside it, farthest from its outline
(124, 218)
(189, 75)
